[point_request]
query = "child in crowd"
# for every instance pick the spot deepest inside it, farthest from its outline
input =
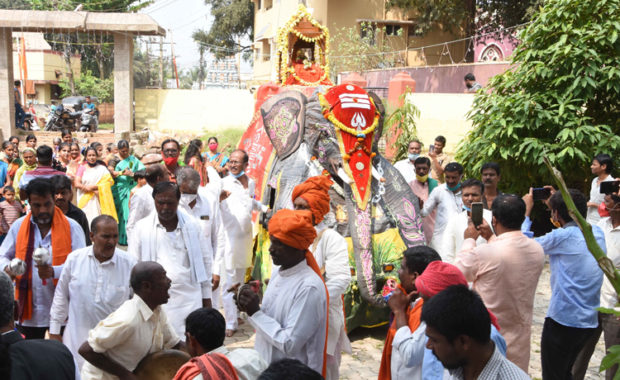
(140, 177)
(10, 211)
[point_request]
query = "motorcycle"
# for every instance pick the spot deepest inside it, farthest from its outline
(89, 123)
(60, 119)
(29, 123)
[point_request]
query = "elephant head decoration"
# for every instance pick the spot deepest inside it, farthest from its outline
(337, 129)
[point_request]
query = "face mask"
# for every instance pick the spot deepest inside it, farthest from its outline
(413, 156)
(213, 147)
(238, 175)
(555, 223)
(421, 179)
(169, 161)
(455, 188)
(603, 211)
(92, 165)
(465, 208)
(186, 199)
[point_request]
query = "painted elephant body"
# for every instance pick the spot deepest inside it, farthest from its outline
(378, 223)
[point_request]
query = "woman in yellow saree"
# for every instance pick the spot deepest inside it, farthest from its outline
(94, 187)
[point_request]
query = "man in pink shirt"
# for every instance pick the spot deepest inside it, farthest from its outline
(505, 273)
(422, 186)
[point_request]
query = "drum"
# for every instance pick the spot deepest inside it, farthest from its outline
(162, 365)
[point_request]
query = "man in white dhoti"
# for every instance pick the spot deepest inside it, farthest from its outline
(291, 323)
(331, 254)
(204, 206)
(174, 239)
(94, 282)
(236, 207)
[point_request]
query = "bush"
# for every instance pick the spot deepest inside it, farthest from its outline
(88, 84)
(560, 98)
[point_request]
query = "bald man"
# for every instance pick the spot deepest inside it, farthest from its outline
(139, 327)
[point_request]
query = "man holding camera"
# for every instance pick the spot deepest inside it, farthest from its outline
(601, 167)
(505, 272)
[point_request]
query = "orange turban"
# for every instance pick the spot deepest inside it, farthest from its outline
(437, 276)
(314, 191)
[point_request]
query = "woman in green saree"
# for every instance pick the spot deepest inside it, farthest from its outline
(123, 174)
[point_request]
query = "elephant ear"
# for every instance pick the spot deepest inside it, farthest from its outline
(381, 108)
(283, 118)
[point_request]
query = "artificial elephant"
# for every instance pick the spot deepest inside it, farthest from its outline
(371, 204)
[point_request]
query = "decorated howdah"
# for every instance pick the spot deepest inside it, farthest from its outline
(305, 126)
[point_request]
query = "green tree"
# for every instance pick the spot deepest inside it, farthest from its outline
(233, 23)
(560, 98)
(88, 84)
(197, 36)
(401, 123)
(363, 49)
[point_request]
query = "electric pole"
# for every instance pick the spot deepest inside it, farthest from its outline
(161, 62)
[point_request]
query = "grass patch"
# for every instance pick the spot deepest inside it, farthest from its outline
(227, 136)
(106, 126)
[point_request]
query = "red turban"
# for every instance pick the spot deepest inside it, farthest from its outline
(314, 191)
(437, 276)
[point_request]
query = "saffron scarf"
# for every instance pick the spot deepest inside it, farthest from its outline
(413, 321)
(24, 247)
(211, 366)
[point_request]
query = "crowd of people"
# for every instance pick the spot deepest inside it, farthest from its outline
(111, 258)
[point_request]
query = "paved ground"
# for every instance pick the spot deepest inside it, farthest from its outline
(367, 344)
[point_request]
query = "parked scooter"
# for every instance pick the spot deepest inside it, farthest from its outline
(89, 123)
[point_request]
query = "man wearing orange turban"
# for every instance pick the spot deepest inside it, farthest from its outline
(331, 253)
(292, 322)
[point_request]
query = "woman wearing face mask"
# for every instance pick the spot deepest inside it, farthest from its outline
(215, 157)
(124, 182)
(94, 187)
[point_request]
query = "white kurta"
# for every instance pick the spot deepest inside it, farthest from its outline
(332, 256)
(128, 335)
(453, 235)
(171, 252)
(140, 205)
(448, 204)
(406, 169)
(87, 292)
(593, 216)
(42, 295)
(291, 323)
(237, 220)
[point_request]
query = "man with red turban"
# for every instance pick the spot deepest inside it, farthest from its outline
(332, 256)
(292, 322)
(408, 343)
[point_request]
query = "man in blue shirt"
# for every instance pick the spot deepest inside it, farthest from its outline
(88, 106)
(576, 281)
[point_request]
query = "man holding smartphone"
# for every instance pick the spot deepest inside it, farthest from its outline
(439, 159)
(471, 194)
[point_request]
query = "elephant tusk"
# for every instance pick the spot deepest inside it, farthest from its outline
(375, 173)
(344, 176)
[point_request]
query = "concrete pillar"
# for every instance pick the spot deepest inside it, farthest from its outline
(356, 79)
(7, 98)
(398, 85)
(123, 83)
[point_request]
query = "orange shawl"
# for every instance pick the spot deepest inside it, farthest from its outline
(413, 321)
(212, 367)
(24, 246)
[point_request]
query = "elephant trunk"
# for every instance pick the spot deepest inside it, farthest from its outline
(360, 222)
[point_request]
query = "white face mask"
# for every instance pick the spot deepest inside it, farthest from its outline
(186, 199)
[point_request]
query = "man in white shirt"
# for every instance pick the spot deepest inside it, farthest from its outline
(45, 227)
(332, 255)
(94, 282)
(174, 239)
(202, 205)
(446, 198)
(458, 326)
(406, 167)
(602, 166)
(237, 206)
(292, 320)
(141, 203)
(471, 191)
(204, 334)
(139, 327)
